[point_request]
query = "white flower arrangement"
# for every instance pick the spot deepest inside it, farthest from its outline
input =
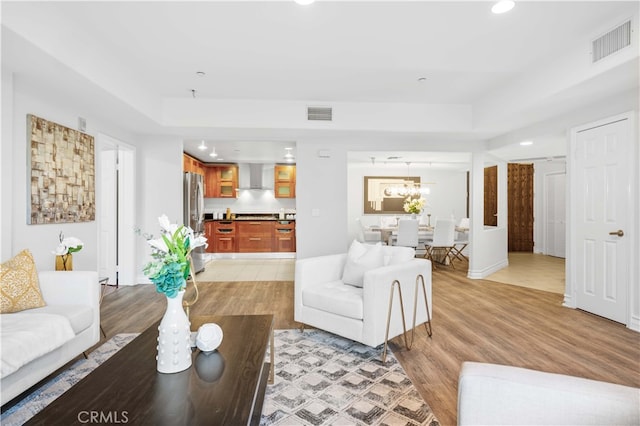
(67, 245)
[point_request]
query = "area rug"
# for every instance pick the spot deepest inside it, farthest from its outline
(52, 389)
(321, 379)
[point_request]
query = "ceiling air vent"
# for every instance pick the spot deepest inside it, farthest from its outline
(611, 42)
(319, 114)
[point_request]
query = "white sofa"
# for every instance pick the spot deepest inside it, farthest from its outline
(74, 295)
(323, 301)
(490, 394)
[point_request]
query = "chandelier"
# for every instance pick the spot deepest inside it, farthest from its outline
(408, 189)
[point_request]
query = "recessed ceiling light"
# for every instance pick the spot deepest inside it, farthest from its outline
(213, 152)
(502, 6)
(201, 73)
(526, 143)
(422, 79)
(202, 146)
(304, 2)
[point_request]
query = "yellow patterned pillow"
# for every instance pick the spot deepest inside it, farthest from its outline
(19, 285)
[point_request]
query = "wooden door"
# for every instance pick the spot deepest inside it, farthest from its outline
(600, 187)
(491, 196)
(520, 205)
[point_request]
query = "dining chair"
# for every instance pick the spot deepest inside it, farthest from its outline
(462, 239)
(367, 235)
(443, 242)
(407, 235)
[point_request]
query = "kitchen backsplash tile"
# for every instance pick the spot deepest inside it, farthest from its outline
(251, 201)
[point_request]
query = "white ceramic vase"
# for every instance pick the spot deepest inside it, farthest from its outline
(413, 216)
(174, 344)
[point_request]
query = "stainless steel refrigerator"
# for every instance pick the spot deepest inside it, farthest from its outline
(194, 214)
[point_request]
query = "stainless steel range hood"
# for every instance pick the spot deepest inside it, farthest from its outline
(255, 176)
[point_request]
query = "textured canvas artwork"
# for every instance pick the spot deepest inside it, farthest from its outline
(61, 173)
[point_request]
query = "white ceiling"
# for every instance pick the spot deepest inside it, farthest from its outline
(148, 53)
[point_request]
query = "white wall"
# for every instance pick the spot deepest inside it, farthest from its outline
(158, 179)
(159, 189)
(321, 198)
(447, 196)
(488, 247)
(40, 239)
(6, 166)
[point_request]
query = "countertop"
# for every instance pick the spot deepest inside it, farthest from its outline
(248, 216)
(275, 219)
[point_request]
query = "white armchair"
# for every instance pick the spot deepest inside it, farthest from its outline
(324, 301)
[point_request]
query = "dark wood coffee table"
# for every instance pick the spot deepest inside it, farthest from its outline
(225, 387)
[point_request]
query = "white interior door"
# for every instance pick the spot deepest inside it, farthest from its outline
(600, 188)
(555, 214)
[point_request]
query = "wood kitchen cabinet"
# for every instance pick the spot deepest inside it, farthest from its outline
(209, 233)
(285, 181)
(190, 164)
(224, 236)
(285, 236)
(221, 181)
(255, 236)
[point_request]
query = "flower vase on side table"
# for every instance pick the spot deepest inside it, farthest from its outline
(64, 262)
(174, 344)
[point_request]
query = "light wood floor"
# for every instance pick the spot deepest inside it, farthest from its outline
(248, 270)
(474, 320)
(533, 270)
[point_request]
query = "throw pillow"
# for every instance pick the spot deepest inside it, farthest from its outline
(360, 259)
(19, 286)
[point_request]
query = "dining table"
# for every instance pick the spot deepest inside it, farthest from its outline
(425, 232)
(387, 232)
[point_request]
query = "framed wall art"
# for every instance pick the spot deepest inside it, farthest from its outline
(380, 193)
(61, 173)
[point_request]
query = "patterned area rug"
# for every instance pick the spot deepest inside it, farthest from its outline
(46, 393)
(323, 379)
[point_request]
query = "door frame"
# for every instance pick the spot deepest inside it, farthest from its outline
(122, 196)
(632, 319)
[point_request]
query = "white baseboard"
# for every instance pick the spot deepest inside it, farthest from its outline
(568, 301)
(635, 323)
(483, 273)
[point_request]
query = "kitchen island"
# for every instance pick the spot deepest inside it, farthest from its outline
(251, 233)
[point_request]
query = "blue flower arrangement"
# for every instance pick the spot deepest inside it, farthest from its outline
(170, 266)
